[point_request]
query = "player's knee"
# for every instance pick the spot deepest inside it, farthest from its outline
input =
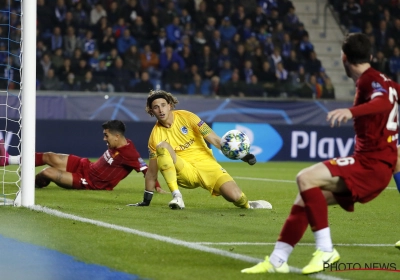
(48, 157)
(303, 179)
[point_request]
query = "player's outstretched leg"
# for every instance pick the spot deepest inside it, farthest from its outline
(267, 267)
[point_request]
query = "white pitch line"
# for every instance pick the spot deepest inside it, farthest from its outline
(298, 244)
(190, 245)
(280, 181)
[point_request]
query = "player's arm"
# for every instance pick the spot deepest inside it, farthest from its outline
(150, 183)
(374, 106)
(215, 140)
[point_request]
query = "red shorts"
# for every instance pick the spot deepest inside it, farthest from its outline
(366, 178)
(79, 167)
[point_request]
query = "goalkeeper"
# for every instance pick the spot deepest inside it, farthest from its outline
(177, 148)
(73, 172)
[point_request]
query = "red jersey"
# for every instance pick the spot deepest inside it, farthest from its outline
(115, 165)
(375, 113)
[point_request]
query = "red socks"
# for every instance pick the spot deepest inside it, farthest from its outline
(39, 159)
(316, 208)
(295, 226)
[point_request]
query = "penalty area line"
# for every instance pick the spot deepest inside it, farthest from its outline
(190, 245)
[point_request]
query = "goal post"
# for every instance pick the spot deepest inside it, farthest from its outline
(28, 104)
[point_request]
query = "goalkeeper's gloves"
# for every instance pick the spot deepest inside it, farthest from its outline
(147, 197)
(250, 159)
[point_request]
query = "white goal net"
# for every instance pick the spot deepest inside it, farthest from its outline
(17, 100)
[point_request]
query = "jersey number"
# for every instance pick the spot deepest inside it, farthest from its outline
(345, 161)
(392, 123)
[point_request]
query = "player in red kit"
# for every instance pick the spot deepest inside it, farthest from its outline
(344, 181)
(73, 172)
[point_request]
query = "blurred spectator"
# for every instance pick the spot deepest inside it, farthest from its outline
(251, 44)
(305, 47)
(292, 63)
(208, 63)
(120, 77)
(140, 32)
(276, 56)
(215, 86)
(394, 63)
(88, 83)
(67, 23)
(286, 46)
(76, 57)
(125, 42)
(97, 13)
(113, 12)
(101, 73)
(313, 65)
(199, 41)
(233, 87)
(130, 10)
(198, 87)
(107, 41)
(160, 43)
(71, 42)
(291, 20)
(70, 84)
(267, 77)
(149, 60)
(81, 19)
(185, 17)
(174, 80)
(216, 42)
(381, 34)
(259, 18)
(169, 57)
(51, 81)
(328, 91)
(223, 56)
(226, 72)
(81, 70)
(9, 75)
(41, 49)
(154, 27)
(60, 11)
(111, 57)
(201, 15)
(227, 30)
(57, 59)
(119, 28)
(100, 28)
(64, 70)
(282, 76)
(246, 72)
(239, 17)
(94, 60)
(174, 31)
(351, 11)
(56, 39)
(278, 34)
(369, 12)
(299, 33)
(380, 62)
(188, 57)
(388, 49)
(219, 14)
(395, 31)
(44, 16)
(268, 46)
(46, 64)
(88, 44)
(209, 28)
(246, 29)
(169, 13)
(254, 88)
(239, 57)
(144, 85)
(132, 61)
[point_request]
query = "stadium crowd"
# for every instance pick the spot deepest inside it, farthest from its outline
(380, 20)
(197, 47)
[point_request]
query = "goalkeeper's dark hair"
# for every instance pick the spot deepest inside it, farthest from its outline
(155, 94)
(115, 126)
(357, 47)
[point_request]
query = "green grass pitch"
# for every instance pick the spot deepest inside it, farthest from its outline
(365, 236)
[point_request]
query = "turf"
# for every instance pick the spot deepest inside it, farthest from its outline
(205, 219)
